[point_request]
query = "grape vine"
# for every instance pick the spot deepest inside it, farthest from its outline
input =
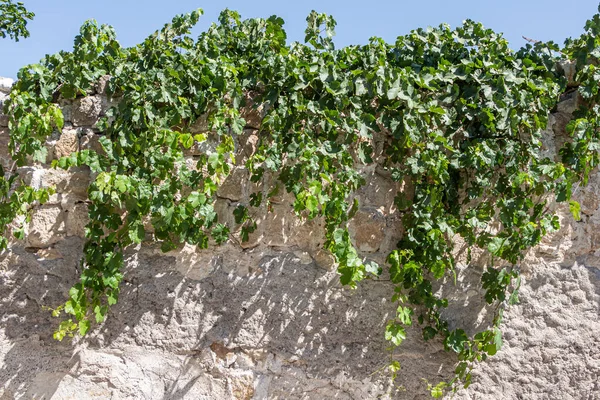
(13, 20)
(460, 114)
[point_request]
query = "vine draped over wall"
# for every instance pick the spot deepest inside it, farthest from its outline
(455, 114)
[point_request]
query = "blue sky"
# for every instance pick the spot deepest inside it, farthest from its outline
(58, 21)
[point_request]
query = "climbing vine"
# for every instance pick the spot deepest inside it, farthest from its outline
(459, 113)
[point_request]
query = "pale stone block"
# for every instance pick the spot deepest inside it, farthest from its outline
(47, 226)
(67, 143)
(86, 111)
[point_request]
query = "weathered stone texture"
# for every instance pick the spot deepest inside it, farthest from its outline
(3, 117)
(47, 226)
(67, 143)
(86, 110)
(268, 319)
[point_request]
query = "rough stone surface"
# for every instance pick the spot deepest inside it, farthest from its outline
(268, 319)
(76, 219)
(368, 229)
(46, 227)
(234, 187)
(5, 158)
(102, 84)
(67, 143)
(86, 110)
(3, 117)
(251, 112)
(90, 141)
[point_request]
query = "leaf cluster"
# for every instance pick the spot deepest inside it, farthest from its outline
(13, 20)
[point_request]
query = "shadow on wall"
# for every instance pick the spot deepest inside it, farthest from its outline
(252, 323)
(33, 364)
(280, 313)
(277, 318)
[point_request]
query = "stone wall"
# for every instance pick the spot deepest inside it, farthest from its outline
(268, 319)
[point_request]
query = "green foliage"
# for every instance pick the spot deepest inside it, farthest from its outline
(13, 20)
(459, 115)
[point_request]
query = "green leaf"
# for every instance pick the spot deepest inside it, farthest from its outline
(186, 140)
(404, 315)
(238, 125)
(75, 292)
(121, 183)
(312, 204)
(429, 333)
(200, 138)
(84, 326)
(395, 333)
(495, 245)
(456, 340)
(137, 233)
(112, 297)
(491, 349)
(241, 214)
(438, 390)
(373, 268)
(197, 199)
(394, 366)
(575, 209)
(220, 233)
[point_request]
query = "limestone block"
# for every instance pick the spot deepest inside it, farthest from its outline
(234, 187)
(224, 212)
(102, 84)
(67, 110)
(247, 144)
(5, 158)
(90, 141)
(3, 117)
(307, 234)
(76, 219)
(253, 113)
(67, 143)
(278, 225)
(569, 102)
(324, 259)
(73, 183)
(367, 229)
(47, 226)
(86, 110)
(201, 125)
(393, 233)
(378, 192)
